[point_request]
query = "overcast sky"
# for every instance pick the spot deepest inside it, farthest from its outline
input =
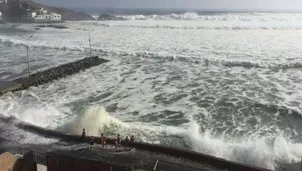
(186, 4)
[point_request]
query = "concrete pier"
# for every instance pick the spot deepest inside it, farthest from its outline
(49, 75)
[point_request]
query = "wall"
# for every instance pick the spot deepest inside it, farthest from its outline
(194, 156)
(56, 162)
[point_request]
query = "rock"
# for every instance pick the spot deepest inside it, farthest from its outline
(107, 17)
(52, 26)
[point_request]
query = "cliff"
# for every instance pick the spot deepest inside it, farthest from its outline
(12, 11)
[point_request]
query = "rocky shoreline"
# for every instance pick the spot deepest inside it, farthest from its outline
(52, 26)
(61, 71)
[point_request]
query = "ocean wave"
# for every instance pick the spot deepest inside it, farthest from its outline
(205, 27)
(168, 57)
(245, 17)
(266, 152)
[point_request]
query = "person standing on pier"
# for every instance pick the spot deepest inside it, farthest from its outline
(132, 142)
(118, 141)
(103, 140)
(127, 142)
(91, 141)
(83, 134)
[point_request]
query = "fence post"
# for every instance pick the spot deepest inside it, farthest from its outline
(155, 166)
(301, 165)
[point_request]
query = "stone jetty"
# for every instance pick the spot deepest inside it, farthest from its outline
(51, 74)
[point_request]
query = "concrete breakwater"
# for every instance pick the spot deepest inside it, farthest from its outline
(159, 149)
(61, 71)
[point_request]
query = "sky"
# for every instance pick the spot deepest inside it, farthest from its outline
(182, 4)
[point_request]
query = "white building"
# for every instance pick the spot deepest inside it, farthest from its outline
(0, 16)
(43, 16)
(3, 1)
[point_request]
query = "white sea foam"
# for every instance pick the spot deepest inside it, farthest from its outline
(96, 120)
(245, 17)
(168, 57)
(263, 152)
(266, 152)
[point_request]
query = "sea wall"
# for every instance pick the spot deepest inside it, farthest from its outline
(161, 149)
(56, 162)
(52, 74)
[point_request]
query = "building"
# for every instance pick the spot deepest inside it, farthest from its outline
(48, 17)
(42, 16)
(3, 1)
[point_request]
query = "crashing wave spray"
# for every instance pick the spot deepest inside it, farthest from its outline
(262, 152)
(96, 121)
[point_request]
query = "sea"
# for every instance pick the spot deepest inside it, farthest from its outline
(227, 84)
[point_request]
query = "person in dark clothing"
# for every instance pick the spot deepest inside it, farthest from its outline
(118, 141)
(91, 141)
(127, 141)
(83, 134)
(132, 142)
(103, 140)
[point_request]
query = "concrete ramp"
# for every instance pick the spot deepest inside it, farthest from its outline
(7, 86)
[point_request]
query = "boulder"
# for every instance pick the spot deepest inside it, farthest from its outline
(107, 17)
(52, 26)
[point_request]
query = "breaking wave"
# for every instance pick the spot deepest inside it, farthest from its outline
(204, 27)
(95, 121)
(169, 57)
(266, 152)
(246, 17)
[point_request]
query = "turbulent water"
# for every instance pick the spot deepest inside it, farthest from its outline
(226, 84)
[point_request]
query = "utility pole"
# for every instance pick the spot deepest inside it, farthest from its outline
(27, 55)
(90, 42)
(90, 45)
(28, 62)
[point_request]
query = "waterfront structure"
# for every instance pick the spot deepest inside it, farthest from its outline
(42, 16)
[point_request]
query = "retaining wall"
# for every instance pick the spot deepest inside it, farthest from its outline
(66, 163)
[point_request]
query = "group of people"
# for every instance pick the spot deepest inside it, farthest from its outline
(129, 142)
